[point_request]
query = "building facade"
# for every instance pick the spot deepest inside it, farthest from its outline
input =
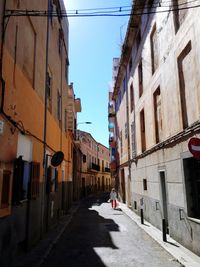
(112, 127)
(35, 187)
(95, 171)
(157, 101)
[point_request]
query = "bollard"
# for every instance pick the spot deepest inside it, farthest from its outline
(142, 216)
(164, 230)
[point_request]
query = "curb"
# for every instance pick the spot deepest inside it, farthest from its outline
(52, 244)
(183, 255)
(38, 254)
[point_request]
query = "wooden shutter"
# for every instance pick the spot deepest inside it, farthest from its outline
(35, 180)
(5, 189)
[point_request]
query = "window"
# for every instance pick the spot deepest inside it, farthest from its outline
(130, 64)
(28, 58)
(65, 122)
(142, 128)
(154, 49)
(131, 97)
(149, 5)
(140, 78)
(126, 130)
(66, 69)
(102, 165)
(16, 43)
(49, 92)
(157, 114)
(21, 179)
(138, 39)
(51, 11)
(145, 184)
(184, 71)
(5, 189)
(58, 106)
(133, 139)
(124, 86)
(35, 180)
(179, 14)
(192, 185)
(121, 143)
(60, 37)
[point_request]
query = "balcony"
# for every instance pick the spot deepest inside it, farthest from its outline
(113, 166)
(95, 167)
(112, 143)
(107, 169)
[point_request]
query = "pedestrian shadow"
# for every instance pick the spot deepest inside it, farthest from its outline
(173, 244)
(118, 209)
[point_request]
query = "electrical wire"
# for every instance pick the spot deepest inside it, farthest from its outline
(114, 13)
(154, 4)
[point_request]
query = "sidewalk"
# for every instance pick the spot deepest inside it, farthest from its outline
(183, 255)
(38, 254)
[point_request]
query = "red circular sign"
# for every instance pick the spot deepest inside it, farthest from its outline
(194, 147)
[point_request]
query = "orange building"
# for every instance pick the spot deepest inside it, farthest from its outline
(95, 171)
(34, 95)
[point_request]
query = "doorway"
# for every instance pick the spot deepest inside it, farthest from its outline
(123, 186)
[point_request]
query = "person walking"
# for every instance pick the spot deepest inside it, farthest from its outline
(113, 198)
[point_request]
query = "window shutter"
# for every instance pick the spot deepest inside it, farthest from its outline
(48, 182)
(35, 179)
(56, 180)
(17, 180)
(5, 189)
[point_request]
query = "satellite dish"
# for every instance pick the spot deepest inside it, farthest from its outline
(57, 158)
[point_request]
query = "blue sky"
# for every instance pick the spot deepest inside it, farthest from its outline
(93, 42)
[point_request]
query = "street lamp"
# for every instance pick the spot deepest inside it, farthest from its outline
(82, 122)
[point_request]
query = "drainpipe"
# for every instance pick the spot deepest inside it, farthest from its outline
(45, 157)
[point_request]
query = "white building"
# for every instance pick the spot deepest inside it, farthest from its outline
(157, 96)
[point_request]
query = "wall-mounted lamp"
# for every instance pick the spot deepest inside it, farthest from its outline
(84, 122)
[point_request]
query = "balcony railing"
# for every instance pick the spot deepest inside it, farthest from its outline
(107, 169)
(95, 167)
(112, 143)
(111, 114)
(113, 166)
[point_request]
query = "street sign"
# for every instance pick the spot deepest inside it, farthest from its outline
(194, 147)
(57, 158)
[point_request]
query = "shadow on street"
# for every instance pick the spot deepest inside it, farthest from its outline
(87, 230)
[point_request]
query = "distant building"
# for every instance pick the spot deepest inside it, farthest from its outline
(112, 127)
(157, 102)
(95, 171)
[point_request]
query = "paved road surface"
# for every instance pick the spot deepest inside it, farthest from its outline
(99, 236)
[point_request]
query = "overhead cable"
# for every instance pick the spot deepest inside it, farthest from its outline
(114, 13)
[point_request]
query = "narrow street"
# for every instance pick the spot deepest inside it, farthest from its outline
(100, 236)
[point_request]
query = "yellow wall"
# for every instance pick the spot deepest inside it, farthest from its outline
(23, 104)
